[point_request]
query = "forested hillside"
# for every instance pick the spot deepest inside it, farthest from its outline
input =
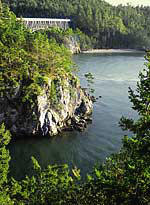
(105, 26)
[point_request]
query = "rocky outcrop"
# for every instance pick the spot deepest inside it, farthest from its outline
(72, 44)
(69, 107)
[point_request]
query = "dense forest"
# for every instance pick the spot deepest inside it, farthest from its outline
(103, 25)
(123, 179)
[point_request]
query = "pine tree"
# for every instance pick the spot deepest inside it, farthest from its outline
(141, 103)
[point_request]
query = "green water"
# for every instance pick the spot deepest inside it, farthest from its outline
(113, 75)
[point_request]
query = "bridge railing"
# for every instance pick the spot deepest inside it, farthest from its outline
(43, 23)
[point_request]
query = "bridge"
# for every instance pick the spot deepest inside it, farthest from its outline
(43, 23)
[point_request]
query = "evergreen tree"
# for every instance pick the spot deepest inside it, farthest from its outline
(141, 103)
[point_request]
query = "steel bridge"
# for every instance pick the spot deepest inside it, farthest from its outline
(43, 23)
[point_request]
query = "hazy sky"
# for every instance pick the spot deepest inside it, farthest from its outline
(132, 2)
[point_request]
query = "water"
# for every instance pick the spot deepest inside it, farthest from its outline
(113, 75)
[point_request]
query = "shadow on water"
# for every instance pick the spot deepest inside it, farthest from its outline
(65, 148)
(113, 75)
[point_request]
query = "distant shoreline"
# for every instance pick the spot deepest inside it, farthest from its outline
(113, 51)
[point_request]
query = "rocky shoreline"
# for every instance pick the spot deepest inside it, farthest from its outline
(113, 51)
(72, 44)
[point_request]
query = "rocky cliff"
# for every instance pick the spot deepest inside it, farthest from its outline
(62, 104)
(72, 44)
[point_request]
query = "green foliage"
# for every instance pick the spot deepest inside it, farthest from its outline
(102, 25)
(4, 165)
(86, 42)
(90, 80)
(28, 59)
(141, 103)
(53, 185)
(4, 154)
(124, 178)
(58, 34)
(53, 93)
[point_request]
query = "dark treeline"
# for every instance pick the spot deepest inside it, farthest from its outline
(105, 26)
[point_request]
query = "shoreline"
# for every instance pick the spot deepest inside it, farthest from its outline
(113, 51)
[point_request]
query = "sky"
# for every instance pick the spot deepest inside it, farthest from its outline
(132, 2)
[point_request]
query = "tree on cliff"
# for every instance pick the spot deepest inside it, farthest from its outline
(27, 59)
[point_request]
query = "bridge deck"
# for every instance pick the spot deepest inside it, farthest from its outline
(43, 23)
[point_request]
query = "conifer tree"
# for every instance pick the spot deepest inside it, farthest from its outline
(141, 103)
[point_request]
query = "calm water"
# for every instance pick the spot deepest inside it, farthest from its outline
(113, 75)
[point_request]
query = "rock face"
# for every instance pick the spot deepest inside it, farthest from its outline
(69, 108)
(72, 44)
